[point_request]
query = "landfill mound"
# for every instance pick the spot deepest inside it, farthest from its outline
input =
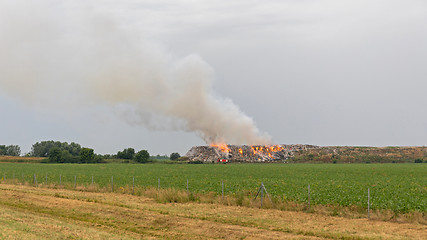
(245, 153)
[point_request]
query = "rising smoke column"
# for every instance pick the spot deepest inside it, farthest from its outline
(75, 52)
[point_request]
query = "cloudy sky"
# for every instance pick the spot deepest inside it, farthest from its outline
(328, 72)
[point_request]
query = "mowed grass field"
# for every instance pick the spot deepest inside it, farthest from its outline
(400, 188)
(28, 212)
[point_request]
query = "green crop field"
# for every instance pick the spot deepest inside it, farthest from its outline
(398, 187)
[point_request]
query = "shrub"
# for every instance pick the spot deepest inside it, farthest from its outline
(54, 155)
(87, 155)
(174, 156)
(142, 156)
(42, 149)
(196, 162)
(184, 159)
(128, 153)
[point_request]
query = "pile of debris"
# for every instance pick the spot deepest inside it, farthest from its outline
(245, 153)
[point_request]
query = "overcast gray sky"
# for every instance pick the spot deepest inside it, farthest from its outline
(324, 72)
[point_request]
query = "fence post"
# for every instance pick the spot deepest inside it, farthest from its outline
(369, 198)
(187, 187)
(158, 184)
(133, 185)
(262, 192)
(222, 190)
(112, 183)
(35, 180)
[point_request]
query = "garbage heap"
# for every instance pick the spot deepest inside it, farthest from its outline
(245, 153)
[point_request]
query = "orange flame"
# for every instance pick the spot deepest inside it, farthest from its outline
(266, 150)
(256, 150)
(221, 146)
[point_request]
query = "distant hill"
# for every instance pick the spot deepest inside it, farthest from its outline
(348, 154)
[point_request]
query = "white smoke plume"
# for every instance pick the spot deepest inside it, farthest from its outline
(61, 51)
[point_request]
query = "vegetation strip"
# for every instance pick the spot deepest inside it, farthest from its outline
(400, 188)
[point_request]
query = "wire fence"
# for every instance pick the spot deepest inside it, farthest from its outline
(46, 181)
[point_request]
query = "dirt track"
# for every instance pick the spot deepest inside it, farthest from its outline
(38, 213)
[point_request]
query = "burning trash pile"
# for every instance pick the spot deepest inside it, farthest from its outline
(244, 153)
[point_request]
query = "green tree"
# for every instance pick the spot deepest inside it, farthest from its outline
(142, 156)
(99, 158)
(87, 155)
(41, 149)
(127, 153)
(174, 156)
(54, 155)
(73, 148)
(13, 150)
(67, 157)
(2, 150)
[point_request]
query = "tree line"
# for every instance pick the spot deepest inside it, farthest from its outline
(11, 150)
(64, 152)
(129, 153)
